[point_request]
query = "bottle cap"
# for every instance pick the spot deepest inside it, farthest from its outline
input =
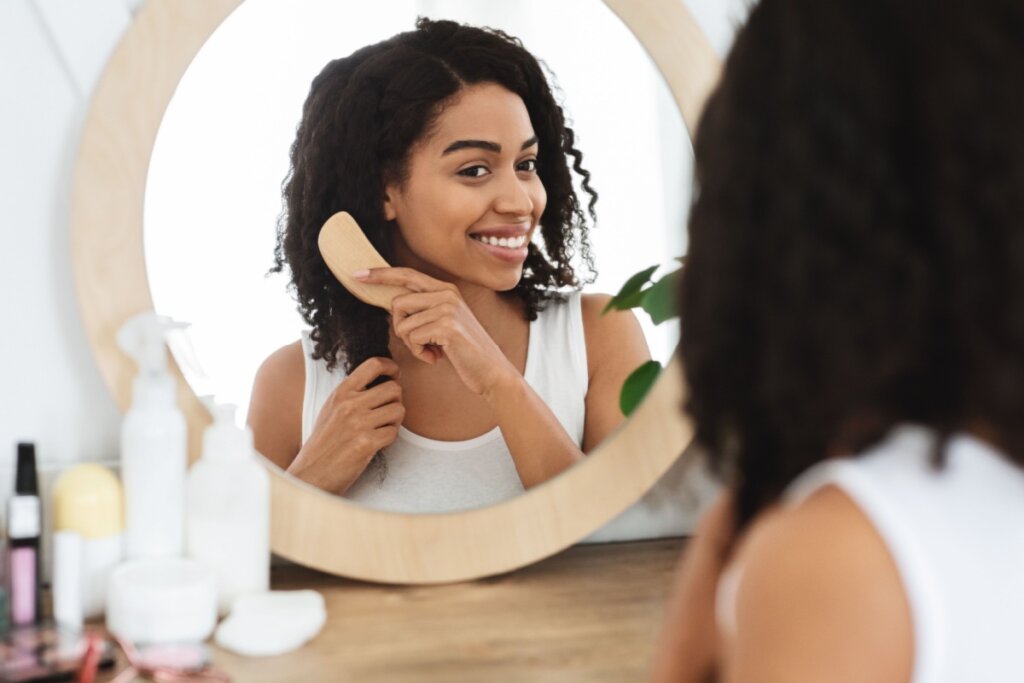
(26, 481)
(87, 499)
(225, 439)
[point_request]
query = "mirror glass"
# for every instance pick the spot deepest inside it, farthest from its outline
(213, 194)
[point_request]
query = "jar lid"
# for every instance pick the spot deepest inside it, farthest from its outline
(167, 600)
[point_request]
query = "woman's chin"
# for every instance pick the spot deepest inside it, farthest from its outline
(503, 283)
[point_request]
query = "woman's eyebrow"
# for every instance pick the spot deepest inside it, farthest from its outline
(483, 144)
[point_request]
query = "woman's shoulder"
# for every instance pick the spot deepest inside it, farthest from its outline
(598, 321)
(284, 364)
(818, 578)
(610, 332)
(280, 381)
(275, 407)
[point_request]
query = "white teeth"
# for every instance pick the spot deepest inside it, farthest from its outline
(506, 242)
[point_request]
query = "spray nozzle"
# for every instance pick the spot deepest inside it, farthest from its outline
(142, 338)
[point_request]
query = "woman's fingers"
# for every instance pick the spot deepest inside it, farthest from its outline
(380, 395)
(369, 370)
(412, 280)
(390, 414)
(410, 304)
(385, 436)
(426, 333)
(403, 326)
(433, 333)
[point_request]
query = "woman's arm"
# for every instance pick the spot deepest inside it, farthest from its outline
(688, 647)
(275, 407)
(616, 346)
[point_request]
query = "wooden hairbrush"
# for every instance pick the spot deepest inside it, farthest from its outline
(345, 250)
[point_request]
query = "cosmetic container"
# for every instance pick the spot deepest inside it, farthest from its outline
(153, 446)
(162, 601)
(5, 605)
(67, 580)
(24, 525)
(228, 510)
(87, 500)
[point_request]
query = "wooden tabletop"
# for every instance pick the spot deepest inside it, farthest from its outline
(590, 613)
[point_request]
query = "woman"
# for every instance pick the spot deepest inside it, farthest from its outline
(854, 348)
(493, 374)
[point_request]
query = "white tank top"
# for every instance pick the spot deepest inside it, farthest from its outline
(425, 475)
(956, 535)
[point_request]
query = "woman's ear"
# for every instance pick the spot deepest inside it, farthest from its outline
(389, 206)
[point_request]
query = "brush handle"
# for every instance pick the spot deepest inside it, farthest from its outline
(345, 249)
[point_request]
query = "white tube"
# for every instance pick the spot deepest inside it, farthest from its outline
(67, 579)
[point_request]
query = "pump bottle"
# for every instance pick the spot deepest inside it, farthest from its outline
(153, 446)
(228, 510)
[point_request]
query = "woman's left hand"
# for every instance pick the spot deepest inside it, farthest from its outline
(435, 324)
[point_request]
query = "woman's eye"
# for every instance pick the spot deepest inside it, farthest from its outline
(528, 165)
(473, 172)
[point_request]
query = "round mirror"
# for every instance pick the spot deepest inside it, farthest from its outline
(308, 526)
(213, 197)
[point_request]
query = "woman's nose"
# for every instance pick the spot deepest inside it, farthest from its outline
(513, 196)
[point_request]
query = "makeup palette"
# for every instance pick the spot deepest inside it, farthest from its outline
(45, 652)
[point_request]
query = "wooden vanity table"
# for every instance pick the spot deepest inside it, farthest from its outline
(590, 613)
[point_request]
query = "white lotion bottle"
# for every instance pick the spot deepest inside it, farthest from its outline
(153, 446)
(228, 510)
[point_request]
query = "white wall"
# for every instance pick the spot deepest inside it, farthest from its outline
(51, 55)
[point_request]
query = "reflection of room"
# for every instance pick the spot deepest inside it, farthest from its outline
(71, 420)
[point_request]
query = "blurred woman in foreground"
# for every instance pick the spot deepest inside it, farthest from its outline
(853, 343)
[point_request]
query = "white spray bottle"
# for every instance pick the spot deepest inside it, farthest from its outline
(153, 445)
(228, 510)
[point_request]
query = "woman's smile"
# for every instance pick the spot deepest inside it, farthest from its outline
(506, 242)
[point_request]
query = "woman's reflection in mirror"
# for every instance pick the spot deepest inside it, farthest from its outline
(494, 373)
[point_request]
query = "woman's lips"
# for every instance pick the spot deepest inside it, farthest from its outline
(505, 254)
(508, 230)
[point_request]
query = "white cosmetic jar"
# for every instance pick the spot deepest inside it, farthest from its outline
(167, 600)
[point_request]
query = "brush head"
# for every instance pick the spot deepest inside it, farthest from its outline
(345, 250)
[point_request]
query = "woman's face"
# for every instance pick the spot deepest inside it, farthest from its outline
(472, 198)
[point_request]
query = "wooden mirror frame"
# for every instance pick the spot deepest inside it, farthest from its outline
(309, 526)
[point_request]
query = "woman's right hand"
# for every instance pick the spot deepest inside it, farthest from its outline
(353, 425)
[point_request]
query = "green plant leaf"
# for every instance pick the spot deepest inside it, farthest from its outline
(659, 299)
(637, 385)
(630, 296)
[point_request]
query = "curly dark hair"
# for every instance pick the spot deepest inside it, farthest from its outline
(856, 254)
(363, 114)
